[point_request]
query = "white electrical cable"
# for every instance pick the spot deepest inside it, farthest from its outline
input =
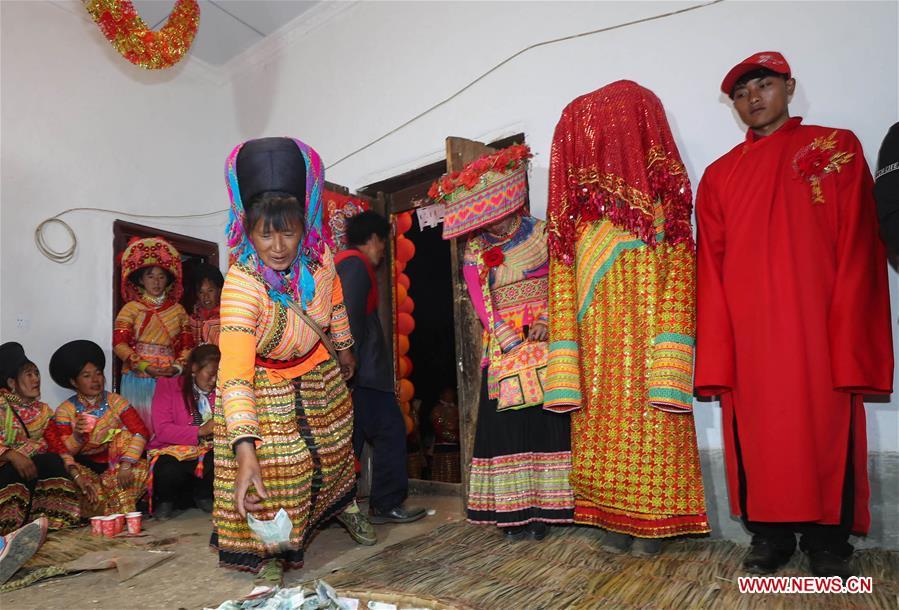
(66, 255)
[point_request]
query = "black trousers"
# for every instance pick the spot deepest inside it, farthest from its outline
(49, 466)
(175, 482)
(378, 420)
(814, 537)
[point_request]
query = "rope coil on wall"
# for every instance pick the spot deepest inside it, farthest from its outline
(66, 255)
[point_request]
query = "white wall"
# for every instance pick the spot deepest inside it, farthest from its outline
(81, 127)
(378, 64)
(355, 71)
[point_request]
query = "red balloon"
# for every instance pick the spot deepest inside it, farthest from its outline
(399, 266)
(405, 367)
(402, 344)
(405, 324)
(405, 408)
(405, 249)
(407, 306)
(401, 294)
(403, 280)
(407, 390)
(403, 222)
(410, 424)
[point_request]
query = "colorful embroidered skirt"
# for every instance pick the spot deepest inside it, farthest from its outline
(52, 495)
(635, 468)
(306, 458)
(112, 498)
(520, 466)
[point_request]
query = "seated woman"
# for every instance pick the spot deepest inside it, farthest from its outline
(204, 322)
(33, 480)
(100, 429)
(152, 331)
(181, 450)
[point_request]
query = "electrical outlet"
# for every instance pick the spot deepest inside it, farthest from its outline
(22, 322)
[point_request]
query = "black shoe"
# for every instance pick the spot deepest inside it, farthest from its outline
(515, 533)
(204, 504)
(164, 510)
(537, 530)
(397, 514)
(764, 558)
(825, 563)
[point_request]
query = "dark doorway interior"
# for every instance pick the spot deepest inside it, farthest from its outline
(432, 344)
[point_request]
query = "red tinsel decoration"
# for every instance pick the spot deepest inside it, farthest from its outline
(150, 49)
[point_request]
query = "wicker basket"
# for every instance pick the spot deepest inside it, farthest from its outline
(445, 464)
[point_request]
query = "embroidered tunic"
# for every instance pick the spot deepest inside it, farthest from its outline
(793, 319)
(159, 335)
(621, 305)
(508, 297)
(205, 326)
(255, 325)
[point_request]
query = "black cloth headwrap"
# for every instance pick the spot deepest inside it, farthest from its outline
(271, 165)
(12, 357)
(69, 359)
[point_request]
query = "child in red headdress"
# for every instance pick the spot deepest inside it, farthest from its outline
(152, 331)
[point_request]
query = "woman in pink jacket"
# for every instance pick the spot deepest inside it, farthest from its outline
(181, 450)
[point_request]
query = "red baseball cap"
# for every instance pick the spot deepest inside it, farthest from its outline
(772, 60)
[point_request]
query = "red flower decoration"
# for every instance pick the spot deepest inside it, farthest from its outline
(494, 257)
(503, 161)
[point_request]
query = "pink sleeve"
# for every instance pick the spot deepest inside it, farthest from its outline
(167, 402)
(470, 273)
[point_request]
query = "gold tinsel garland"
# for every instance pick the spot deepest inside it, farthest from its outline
(150, 49)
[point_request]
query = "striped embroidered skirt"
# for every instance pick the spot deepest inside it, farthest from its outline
(306, 458)
(520, 466)
(52, 494)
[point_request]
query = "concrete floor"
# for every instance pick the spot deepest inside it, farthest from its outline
(191, 579)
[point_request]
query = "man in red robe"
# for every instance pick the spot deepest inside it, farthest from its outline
(793, 322)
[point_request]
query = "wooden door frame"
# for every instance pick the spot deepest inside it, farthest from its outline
(122, 233)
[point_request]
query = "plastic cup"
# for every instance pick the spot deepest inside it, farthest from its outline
(119, 522)
(91, 422)
(109, 524)
(133, 521)
(96, 526)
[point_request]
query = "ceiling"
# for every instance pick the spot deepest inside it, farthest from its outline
(227, 27)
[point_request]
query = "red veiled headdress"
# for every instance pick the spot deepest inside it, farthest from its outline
(613, 157)
(151, 252)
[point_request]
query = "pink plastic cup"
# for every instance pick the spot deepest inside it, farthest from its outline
(109, 524)
(134, 522)
(91, 422)
(96, 526)
(119, 522)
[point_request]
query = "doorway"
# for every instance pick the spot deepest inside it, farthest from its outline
(433, 444)
(192, 250)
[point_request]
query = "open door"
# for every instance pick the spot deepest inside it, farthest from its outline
(469, 349)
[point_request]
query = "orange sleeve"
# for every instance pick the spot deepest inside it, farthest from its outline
(241, 309)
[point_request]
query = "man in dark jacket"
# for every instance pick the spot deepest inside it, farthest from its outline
(376, 415)
(886, 188)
